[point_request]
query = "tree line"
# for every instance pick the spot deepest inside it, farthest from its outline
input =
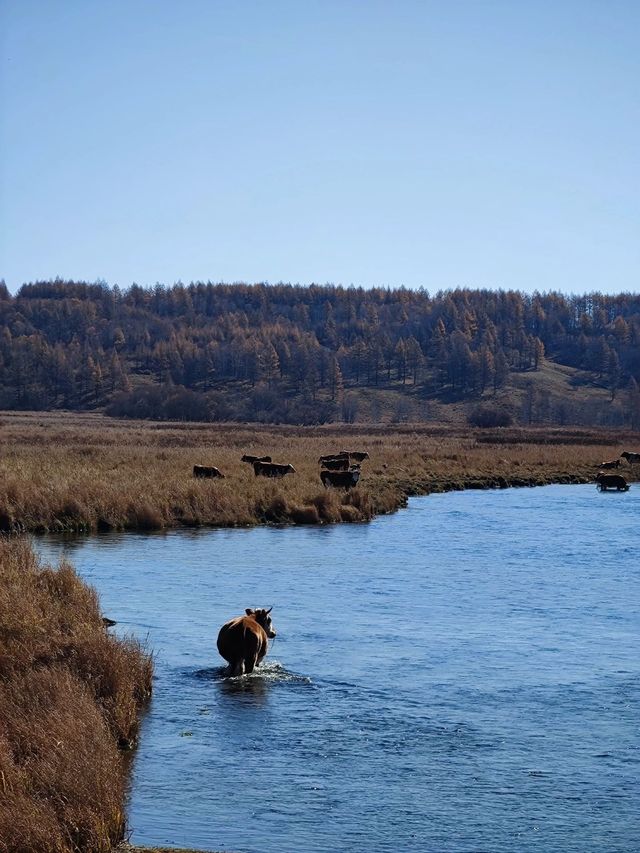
(295, 354)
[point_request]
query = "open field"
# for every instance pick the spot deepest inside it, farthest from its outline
(71, 472)
(70, 699)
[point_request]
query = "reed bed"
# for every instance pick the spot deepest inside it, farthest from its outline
(89, 473)
(70, 699)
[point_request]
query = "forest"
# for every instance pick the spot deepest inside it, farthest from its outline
(319, 354)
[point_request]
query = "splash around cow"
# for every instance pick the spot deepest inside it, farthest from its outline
(244, 640)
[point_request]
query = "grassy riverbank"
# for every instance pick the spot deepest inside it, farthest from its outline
(70, 698)
(127, 848)
(69, 472)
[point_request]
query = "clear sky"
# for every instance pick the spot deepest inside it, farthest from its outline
(471, 143)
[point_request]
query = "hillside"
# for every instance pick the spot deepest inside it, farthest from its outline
(290, 354)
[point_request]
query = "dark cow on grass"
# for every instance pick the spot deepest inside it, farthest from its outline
(333, 456)
(340, 479)
(243, 641)
(615, 463)
(252, 459)
(633, 458)
(612, 481)
(339, 464)
(207, 471)
(272, 469)
(358, 455)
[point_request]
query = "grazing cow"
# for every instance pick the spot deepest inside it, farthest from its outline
(207, 471)
(631, 457)
(339, 479)
(332, 456)
(252, 459)
(358, 455)
(243, 641)
(272, 469)
(612, 481)
(340, 464)
(615, 463)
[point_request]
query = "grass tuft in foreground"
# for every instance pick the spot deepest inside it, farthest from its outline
(70, 695)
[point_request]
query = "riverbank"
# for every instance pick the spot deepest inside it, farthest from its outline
(127, 848)
(70, 699)
(64, 472)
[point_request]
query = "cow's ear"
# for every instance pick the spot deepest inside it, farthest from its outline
(249, 611)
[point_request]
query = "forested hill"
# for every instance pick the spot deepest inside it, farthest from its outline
(315, 354)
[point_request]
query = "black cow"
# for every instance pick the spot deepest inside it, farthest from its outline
(358, 455)
(272, 469)
(207, 471)
(332, 456)
(631, 457)
(612, 481)
(339, 464)
(340, 479)
(252, 459)
(615, 463)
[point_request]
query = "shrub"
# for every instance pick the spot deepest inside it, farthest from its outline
(487, 416)
(69, 694)
(305, 515)
(328, 506)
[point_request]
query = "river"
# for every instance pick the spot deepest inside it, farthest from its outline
(460, 676)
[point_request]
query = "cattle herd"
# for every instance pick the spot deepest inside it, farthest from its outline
(615, 482)
(340, 470)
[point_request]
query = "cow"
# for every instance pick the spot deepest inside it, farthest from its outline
(340, 479)
(339, 464)
(272, 469)
(612, 481)
(358, 455)
(207, 471)
(332, 456)
(631, 457)
(615, 463)
(243, 641)
(252, 459)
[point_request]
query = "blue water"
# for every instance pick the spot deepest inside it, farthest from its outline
(461, 676)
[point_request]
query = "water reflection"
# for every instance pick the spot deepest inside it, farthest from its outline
(255, 687)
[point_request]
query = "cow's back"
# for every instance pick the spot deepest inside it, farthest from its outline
(241, 638)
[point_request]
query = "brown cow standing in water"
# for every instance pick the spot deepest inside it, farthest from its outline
(243, 641)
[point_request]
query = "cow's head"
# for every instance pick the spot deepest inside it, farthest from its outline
(263, 619)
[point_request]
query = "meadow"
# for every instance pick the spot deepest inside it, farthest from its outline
(85, 472)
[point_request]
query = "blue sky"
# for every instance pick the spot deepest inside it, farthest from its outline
(445, 144)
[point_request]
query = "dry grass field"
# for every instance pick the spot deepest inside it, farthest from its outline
(70, 698)
(71, 472)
